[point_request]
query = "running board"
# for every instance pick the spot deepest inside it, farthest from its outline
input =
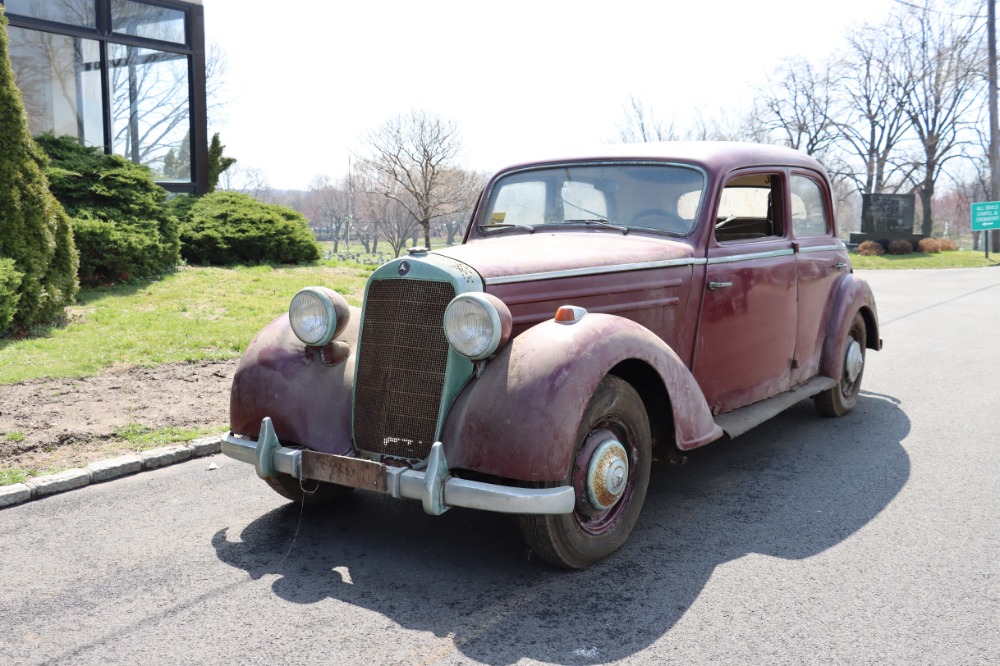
(738, 421)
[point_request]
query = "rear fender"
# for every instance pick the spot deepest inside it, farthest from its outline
(309, 402)
(853, 295)
(519, 418)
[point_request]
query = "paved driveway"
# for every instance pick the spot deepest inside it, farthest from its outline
(873, 538)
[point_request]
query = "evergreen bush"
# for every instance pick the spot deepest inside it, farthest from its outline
(35, 232)
(233, 228)
(123, 227)
(10, 281)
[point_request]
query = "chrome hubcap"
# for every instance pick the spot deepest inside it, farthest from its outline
(607, 475)
(854, 361)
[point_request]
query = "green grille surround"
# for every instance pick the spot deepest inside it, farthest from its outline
(407, 375)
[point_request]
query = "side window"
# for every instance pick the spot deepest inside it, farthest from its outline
(809, 216)
(750, 207)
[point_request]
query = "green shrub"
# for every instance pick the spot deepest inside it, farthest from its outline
(10, 281)
(123, 227)
(232, 228)
(870, 249)
(35, 231)
(180, 206)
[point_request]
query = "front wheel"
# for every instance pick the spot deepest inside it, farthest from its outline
(610, 473)
(840, 399)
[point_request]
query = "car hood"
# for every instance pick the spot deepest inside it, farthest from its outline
(525, 255)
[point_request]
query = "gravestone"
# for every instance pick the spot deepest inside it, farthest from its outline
(885, 218)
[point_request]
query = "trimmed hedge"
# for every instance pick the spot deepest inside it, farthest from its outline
(225, 228)
(123, 226)
(35, 232)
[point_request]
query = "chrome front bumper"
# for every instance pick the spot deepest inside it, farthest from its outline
(433, 486)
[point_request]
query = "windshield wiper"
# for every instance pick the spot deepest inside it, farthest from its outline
(523, 227)
(597, 222)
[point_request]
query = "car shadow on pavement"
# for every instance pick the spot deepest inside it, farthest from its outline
(792, 488)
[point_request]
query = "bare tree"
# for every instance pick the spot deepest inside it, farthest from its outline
(945, 95)
(328, 207)
(640, 125)
(389, 219)
(729, 125)
(248, 180)
(409, 160)
(797, 106)
(872, 118)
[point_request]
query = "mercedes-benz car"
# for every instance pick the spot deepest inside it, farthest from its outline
(602, 312)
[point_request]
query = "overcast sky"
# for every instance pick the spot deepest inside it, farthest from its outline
(306, 79)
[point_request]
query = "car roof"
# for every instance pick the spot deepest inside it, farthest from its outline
(714, 156)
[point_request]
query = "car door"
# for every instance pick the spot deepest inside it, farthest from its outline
(747, 329)
(821, 260)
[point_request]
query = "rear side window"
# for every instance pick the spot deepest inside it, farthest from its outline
(809, 216)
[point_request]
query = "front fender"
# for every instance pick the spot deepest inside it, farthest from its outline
(853, 295)
(308, 401)
(519, 419)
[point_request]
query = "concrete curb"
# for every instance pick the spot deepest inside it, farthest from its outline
(106, 470)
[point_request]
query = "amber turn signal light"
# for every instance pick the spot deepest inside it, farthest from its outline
(569, 314)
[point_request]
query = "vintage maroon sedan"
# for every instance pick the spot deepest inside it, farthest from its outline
(602, 312)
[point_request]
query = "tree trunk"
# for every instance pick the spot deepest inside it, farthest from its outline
(926, 196)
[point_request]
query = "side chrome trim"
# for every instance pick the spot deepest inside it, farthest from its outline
(823, 248)
(572, 272)
(433, 486)
(751, 255)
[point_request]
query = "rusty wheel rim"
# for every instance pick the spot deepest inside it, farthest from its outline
(592, 520)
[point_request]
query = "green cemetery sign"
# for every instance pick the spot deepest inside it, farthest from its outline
(986, 216)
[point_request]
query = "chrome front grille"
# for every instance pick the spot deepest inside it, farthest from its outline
(402, 358)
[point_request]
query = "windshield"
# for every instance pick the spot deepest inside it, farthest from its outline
(663, 198)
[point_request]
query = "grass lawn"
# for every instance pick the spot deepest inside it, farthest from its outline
(195, 314)
(956, 259)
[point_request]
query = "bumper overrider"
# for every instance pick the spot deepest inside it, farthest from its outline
(433, 485)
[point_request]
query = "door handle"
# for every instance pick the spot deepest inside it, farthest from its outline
(718, 285)
(840, 264)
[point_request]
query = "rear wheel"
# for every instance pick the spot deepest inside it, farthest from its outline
(610, 473)
(306, 492)
(840, 399)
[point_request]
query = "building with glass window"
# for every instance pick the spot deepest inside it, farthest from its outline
(127, 76)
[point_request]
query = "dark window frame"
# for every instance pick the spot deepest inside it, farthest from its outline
(193, 50)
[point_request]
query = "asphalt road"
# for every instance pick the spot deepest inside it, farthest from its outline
(873, 538)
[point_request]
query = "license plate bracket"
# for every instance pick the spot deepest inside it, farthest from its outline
(344, 471)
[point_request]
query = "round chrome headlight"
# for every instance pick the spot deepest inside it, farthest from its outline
(477, 324)
(317, 315)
